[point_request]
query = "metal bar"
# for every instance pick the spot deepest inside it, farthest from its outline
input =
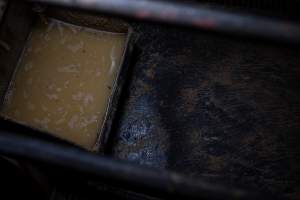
(191, 16)
(161, 183)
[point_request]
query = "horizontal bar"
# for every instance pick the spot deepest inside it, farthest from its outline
(152, 181)
(192, 16)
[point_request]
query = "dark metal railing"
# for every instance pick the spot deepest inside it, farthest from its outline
(195, 16)
(123, 174)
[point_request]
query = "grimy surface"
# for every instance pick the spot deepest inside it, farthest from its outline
(216, 108)
(64, 80)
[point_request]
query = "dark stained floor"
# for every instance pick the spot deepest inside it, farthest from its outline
(220, 109)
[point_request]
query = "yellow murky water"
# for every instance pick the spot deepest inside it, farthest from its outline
(64, 80)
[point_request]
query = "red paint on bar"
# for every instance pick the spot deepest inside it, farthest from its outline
(204, 23)
(143, 14)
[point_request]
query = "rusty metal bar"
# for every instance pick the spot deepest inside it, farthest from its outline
(194, 16)
(122, 174)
